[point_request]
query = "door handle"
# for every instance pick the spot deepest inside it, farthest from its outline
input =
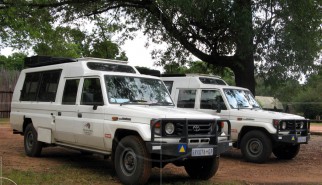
(79, 115)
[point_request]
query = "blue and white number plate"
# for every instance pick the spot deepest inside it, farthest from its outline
(202, 152)
(301, 139)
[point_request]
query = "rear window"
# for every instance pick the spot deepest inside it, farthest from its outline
(110, 67)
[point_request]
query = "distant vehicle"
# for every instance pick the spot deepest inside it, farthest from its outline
(107, 107)
(256, 132)
(270, 103)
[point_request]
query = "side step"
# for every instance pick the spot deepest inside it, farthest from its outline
(83, 148)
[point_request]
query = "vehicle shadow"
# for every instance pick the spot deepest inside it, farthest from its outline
(236, 155)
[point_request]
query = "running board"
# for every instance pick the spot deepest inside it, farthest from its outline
(83, 148)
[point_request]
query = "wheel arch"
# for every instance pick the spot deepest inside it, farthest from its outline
(247, 129)
(26, 122)
(119, 135)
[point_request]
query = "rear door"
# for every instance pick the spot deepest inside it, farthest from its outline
(66, 117)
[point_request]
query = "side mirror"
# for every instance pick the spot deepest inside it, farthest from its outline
(218, 108)
(95, 107)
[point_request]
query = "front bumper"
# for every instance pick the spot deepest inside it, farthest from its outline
(184, 150)
(187, 143)
(292, 139)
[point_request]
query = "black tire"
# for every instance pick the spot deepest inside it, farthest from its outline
(256, 146)
(202, 169)
(132, 161)
(32, 146)
(286, 151)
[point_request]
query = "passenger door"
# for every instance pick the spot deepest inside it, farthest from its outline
(90, 115)
(211, 101)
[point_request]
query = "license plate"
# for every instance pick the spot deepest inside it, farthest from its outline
(301, 139)
(202, 152)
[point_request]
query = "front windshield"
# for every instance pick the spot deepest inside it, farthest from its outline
(238, 98)
(125, 89)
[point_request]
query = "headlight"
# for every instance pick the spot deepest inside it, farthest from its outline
(169, 128)
(284, 125)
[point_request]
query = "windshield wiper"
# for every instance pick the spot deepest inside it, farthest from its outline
(133, 102)
(161, 104)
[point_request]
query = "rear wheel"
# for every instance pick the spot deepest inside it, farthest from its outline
(132, 161)
(32, 146)
(202, 168)
(256, 146)
(286, 151)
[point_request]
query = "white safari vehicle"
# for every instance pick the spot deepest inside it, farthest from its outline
(256, 132)
(107, 107)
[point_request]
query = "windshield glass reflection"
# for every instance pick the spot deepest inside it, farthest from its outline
(239, 99)
(136, 90)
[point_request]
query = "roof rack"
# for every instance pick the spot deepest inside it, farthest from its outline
(191, 75)
(102, 60)
(204, 75)
(37, 61)
(147, 71)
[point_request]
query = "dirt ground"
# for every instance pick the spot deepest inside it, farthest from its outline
(306, 168)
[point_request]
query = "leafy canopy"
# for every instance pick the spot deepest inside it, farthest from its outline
(279, 39)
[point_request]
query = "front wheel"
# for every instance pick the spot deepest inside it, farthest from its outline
(286, 151)
(256, 146)
(32, 146)
(202, 169)
(132, 161)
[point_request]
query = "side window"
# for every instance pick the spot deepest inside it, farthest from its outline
(212, 99)
(186, 98)
(49, 85)
(92, 92)
(40, 86)
(30, 87)
(169, 85)
(70, 92)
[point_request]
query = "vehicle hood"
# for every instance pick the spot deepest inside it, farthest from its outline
(154, 112)
(261, 115)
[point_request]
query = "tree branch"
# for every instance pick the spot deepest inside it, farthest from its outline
(224, 61)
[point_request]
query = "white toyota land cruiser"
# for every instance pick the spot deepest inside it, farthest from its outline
(256, 132)
(107, 107)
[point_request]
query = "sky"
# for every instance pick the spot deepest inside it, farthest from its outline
(138, 54)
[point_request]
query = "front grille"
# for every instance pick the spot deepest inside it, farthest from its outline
(195, 127)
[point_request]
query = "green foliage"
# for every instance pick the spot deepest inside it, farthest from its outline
(291, 42)
(285, 91)
(200, 67)
(309, 101)
(23, 25)
(12, 62)
(282, 37)
(305, 98)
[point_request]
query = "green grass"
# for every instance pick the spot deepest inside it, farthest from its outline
(316, 124)
(59, 175)
(78, 174)
(4, 121)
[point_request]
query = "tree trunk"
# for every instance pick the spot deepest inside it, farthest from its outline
(244, 66)
(244, 74)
